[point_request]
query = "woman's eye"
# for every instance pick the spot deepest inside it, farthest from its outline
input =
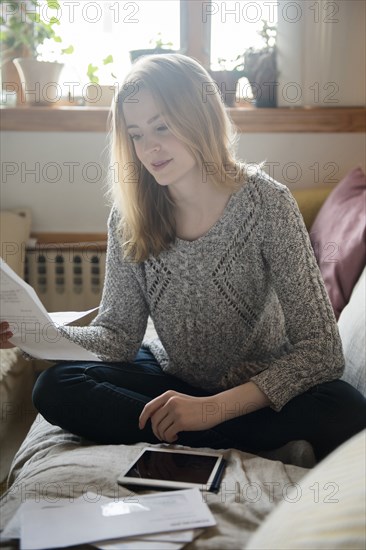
(162, 128)
(135, 137)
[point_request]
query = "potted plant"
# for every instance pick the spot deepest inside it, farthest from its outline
(227, 78)
(23, 31)
(158, 46)
(257, 65)
(260, 68)
(96, 94)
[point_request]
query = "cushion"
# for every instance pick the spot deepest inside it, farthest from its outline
(14, 233)
(310, 201)
(327, 509)
(16, 383)
(338, 236)
(352, 325)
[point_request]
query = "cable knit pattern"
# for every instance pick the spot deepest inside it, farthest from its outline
(246, 301)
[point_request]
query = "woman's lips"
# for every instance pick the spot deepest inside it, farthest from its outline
(160, 164)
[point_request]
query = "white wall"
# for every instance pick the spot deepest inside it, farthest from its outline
(298, 160)
(305, 160)
(76, 202)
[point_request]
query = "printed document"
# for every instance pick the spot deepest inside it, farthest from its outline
(172, 540)
(54, 525)
(35, 331)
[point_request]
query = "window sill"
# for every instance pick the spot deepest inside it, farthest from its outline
(247, 119)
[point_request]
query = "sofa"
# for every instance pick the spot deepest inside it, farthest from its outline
(263, 502)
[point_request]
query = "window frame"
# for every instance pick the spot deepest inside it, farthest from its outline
(195, 35)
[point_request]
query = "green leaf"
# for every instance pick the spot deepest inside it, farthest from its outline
(108, 59)
(35, 17)
(53, 4)
(54, 21)
(68, 50)
(57, 38)
(91, 73)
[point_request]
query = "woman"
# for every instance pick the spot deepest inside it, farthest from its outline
(249, 354)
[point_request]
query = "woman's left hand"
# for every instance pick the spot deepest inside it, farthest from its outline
(174, 412)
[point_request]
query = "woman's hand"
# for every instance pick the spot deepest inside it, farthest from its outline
(5, 335)
(174, 412)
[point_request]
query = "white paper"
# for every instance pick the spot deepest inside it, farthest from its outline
(12, 528)
(160, 541)
(34, 330)
(47, 525)
(67, 317)
(167, 541)
(138, 544)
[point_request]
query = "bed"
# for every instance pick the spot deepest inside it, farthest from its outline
(53, 464)
(258, 496)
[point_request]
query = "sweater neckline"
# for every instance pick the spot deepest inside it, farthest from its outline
(182, 243)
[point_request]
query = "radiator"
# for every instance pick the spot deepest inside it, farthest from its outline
(66, 278)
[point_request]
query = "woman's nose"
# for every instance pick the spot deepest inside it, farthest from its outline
(152, 145)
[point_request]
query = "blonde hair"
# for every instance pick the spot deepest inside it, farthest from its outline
(193, 111)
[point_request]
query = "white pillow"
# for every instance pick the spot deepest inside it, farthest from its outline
(326, 510)
(352, 328)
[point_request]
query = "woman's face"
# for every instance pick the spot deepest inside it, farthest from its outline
(162, 154)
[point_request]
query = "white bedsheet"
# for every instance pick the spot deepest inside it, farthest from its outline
(52, 464)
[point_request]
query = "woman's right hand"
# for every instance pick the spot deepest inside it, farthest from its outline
(5, 335)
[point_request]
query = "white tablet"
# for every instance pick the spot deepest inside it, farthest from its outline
(175, 469)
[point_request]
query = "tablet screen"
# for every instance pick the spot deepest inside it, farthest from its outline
(186, 468)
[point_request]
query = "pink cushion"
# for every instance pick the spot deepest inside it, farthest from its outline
(338, 236)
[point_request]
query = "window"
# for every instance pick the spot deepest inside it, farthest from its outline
(235, 27)
(207, 30)
(100, 29)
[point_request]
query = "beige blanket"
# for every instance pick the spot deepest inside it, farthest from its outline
(54, 464)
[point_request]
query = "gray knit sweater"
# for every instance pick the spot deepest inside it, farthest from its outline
(246, 301)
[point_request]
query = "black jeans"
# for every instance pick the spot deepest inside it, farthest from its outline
(103, 401)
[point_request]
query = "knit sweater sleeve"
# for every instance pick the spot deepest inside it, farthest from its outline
(117, 331)
(315, 350)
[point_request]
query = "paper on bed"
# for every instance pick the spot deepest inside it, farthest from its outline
(159, 541)
(174, 536)
(177, 537)
(34, 330)
(12, 528)
(139, 544)
(146, 542)
(47, 525)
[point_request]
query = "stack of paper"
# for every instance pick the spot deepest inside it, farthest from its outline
(159, 521)
(161, 541)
